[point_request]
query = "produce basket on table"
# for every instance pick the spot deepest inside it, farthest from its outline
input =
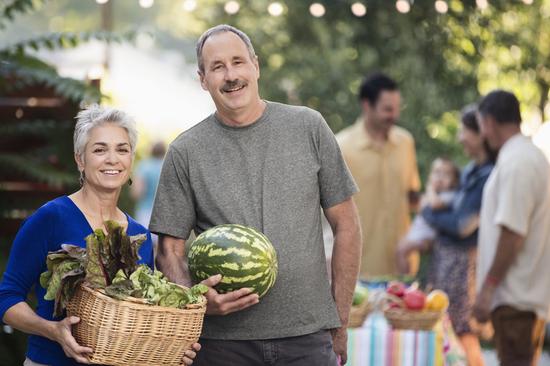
(129, 314)
(412, 309)
(361, 307)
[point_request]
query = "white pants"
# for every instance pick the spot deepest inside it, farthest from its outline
(32, 363)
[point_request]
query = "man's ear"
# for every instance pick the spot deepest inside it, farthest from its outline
(256, 62)
(203, 81)
(366, 106)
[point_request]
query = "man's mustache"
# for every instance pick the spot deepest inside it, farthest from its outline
(233, 84)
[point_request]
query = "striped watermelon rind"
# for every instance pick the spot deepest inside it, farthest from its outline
(242, 255)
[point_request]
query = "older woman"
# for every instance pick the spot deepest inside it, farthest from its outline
(104, 146)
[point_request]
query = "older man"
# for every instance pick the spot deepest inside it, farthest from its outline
(270, 166)
(514, 239)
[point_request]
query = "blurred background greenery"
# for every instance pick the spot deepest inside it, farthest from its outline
(443, 53)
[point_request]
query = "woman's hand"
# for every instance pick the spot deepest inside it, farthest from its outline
(62, 334)
(223, 304)
(190, 355)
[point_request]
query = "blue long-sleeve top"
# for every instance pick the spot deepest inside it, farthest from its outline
(58, 222)
(458, 224)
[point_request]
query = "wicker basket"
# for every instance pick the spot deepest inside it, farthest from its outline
(410, 319)
(402, 318)
(129, 333)
(358, 314)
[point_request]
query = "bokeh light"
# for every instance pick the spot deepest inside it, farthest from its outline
(358, 9)
(317, 10)
(441, 6)
(403, 6)
(189, 5)
(275, 9)
(232, 7)
(146, 3)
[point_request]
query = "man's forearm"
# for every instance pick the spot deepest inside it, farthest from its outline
(170, 260)
(509, 245)
(346, 258)
(346, 254)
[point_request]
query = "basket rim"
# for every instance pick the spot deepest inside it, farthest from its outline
(398, 312)
(140, 304)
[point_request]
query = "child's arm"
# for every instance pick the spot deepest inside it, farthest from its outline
(434, 200)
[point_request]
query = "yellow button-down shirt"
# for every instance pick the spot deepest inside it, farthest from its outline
(385, 175)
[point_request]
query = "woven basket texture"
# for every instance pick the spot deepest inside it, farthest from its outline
(126, 333)
(358, 314)
(409, 319)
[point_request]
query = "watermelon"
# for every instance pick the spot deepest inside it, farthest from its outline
(242, 255)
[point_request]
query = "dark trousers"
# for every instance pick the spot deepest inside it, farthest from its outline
(518, 336)
(308, 350)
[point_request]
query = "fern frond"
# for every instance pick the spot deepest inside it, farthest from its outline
(36, 170)
(64, 40)
(17, 6)
(69, 88)
(35, 127)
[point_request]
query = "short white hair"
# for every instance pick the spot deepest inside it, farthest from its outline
(96, 115)
(222, 28)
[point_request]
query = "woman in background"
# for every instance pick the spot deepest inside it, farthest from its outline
(454, 252)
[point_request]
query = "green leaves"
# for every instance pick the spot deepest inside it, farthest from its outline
(111, 253)
(110, 262)
(65, 272)
(16, 6)
(154, 288)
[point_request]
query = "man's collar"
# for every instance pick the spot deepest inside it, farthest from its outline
(367, 141)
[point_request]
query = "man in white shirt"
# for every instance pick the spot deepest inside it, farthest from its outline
(513, 278)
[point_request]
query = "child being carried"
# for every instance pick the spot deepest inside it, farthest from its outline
(440, 191)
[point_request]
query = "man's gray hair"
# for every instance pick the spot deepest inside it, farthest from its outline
(95, 115)
(221, 29)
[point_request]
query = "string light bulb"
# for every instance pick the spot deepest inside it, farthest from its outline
(317, 10)
(358, 9)
(403, 6)
(232, 7)
(146, 3)
(441, 6)
(189, 5)
(275, 9)
(482, 4)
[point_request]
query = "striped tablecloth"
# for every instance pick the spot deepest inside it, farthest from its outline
(377, 344)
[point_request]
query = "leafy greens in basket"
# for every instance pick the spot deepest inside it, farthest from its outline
(109, 262)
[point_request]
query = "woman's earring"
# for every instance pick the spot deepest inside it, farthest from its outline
(82, 178)
(130, 181)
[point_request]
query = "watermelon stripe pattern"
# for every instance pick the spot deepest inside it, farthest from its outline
(242, 255)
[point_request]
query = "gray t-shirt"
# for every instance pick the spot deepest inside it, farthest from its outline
(271, 175)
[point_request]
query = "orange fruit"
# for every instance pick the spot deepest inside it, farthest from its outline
(437, 300)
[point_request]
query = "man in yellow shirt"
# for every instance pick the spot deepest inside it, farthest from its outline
(382, 159)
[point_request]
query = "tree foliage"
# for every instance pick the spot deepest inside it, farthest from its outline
(441, 61)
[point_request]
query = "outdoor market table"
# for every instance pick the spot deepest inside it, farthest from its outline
(377, 344)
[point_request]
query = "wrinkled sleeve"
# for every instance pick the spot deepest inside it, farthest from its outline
(517, 195)
(335, 181)
(174, 208)
(27, 259)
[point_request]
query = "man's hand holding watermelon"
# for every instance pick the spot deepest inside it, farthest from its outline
(223, 304)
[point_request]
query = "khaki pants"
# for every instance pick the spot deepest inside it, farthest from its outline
(519, 336)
